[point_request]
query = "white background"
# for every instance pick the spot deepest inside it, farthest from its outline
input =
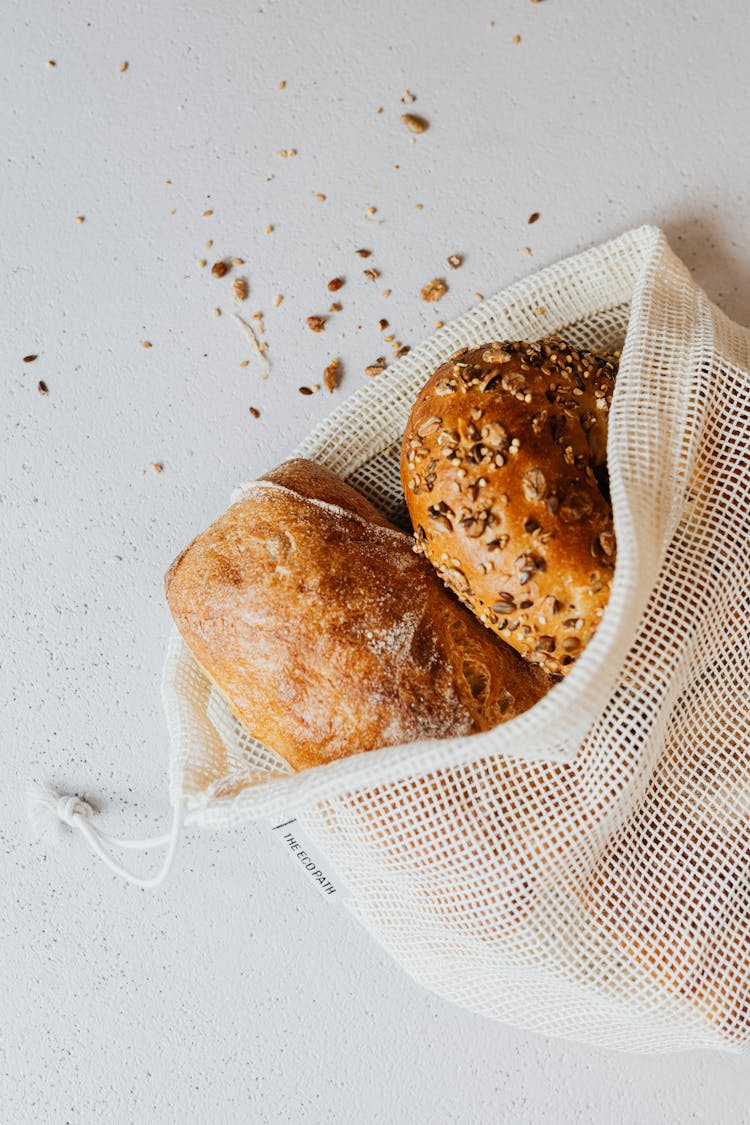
(235, 994)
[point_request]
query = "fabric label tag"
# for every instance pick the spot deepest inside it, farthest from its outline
(308, 858)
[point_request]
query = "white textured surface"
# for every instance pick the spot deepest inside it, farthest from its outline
(235, 994)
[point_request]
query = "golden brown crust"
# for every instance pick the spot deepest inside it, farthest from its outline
(497, 464)
(327, 634)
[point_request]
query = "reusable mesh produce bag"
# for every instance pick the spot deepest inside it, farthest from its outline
(583, 870)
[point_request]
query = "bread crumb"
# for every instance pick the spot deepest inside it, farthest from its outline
(209, 243)
(316, 323)
(363, 253)
(525, 250)
(419, 206)
(434, 290)
(217, 312)
(239, 289)
(238, 261)
(254, 412)
(386, 293)
(330, 375)
(334, 307)
(372, 274)
(219, 269)
(455, 261)
(202, 263)
(408, 98)
(157, 466)
(335, 284)
(123, 67)
(375, 369)
(278, 299)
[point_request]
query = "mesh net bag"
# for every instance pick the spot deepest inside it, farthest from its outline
(582, 870)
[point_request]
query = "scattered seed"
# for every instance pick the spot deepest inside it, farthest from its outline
(516, 40)
(80, 218)
(539, 311)
(278, 299)
(238, 261)
(218, 269)
(30, 358)
(320, 197)
(455, 261)
(239, 288)
(386, 293)
(372, 274)
(51, 63)
(316, 323)
(292, 152)
(245, 363)
(335, 284)
(371, 211)
(419, 206)
(533, 217)
(217, 312)
(439, 323)
(414, 123)
(202, 263)
(209, 243)
(479, 296)
(331, 375)
(525, 250)
(363, 253)
(434, 290)
(282, 84)
(146, 344)
(334, 307)
(382, 325)
(306, 391)
(123, 67)
(375, 369)
(283, 153)
(379, 109)
(42, 387)
(157, 466)
(268, 230)
(207, 213)
(254, 412)
(408, 98)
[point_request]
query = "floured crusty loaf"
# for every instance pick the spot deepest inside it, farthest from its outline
(327, 634)
(498, 465)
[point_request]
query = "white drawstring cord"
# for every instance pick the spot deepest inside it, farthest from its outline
(49, 811)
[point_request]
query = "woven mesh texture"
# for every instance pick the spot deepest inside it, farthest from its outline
(584, 869)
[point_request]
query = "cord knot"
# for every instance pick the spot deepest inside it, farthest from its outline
(68, 807)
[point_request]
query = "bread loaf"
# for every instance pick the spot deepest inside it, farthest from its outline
(499, 465)
(327, 634)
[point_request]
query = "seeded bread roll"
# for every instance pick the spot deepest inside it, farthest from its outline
(498, 465)
(327, 634)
